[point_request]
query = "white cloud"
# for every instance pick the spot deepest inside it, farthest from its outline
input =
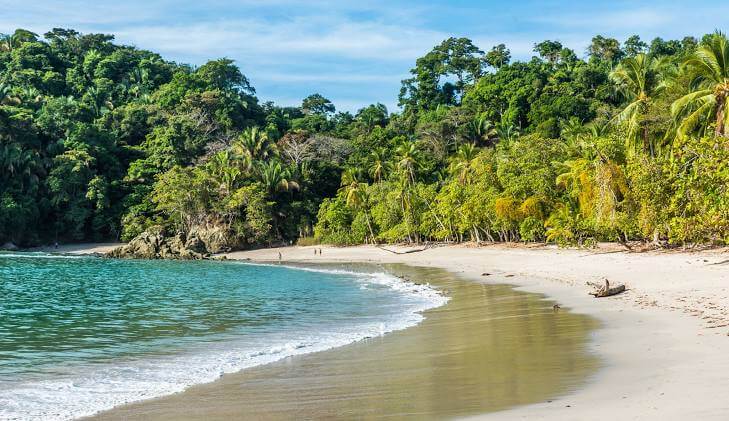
(612, 20)
(312, 37)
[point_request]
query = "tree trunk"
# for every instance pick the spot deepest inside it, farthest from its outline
(720, 110)
(372, 234)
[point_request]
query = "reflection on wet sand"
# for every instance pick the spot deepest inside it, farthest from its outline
(488, 349)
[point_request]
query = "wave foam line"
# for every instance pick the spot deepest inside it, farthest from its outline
(85, 394)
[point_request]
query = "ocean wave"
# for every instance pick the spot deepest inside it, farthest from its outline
(424, 290)
(101, 387)
(40, 255)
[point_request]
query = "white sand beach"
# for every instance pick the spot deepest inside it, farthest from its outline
(664, 341)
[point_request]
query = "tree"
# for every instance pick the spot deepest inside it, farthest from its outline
(606, 50)
(356, 196)
(660, 47)
(498, 56)
(637, 79)
(548, 50)
(408, 161)
(19, 37)
(276, 178)
(317, 104)
(252, 145)
(634, 46)
(455, 57)
(707, 103)
(461, 163)
(379, 165)
(223, 75)
(372, 115)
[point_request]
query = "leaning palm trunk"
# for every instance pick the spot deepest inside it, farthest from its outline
(720, 115)
(369, 226)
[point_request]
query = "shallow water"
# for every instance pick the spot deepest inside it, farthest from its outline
(490, 348)
(82, 334)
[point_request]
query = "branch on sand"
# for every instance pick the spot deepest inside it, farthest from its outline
(605, 290)
(403, 252)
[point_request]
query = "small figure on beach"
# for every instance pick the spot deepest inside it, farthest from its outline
(314, 252)
(279, 257)
(319, 252)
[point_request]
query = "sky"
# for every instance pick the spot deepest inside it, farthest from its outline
(353, 52)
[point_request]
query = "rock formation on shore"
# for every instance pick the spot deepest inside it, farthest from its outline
(155, 244)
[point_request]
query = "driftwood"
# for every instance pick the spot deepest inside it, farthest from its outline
(606, 290)
(403, 252)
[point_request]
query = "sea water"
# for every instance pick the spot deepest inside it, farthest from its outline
(83, 334)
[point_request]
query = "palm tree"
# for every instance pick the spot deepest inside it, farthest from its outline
(637, 79)
(483, 129)
(356, 195)
(224, 172)
(350, 185)
(253, 145)
(275, 177)
(507, 132)
(707, 103)
(461, 162)
(379, 165)
(18, 163)
(7, 97)
(20, 36)
(99, 99)
(408, 161)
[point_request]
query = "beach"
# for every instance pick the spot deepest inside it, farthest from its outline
(663, 343)
(489, 348)
(664, 357)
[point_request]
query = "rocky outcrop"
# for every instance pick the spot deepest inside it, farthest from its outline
(9, 246)
(155, 244)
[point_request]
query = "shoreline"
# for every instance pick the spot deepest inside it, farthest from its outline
(664, 342)
(467, 357)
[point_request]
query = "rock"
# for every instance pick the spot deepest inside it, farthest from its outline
(195, 244)
(155, 244)
(9, 246)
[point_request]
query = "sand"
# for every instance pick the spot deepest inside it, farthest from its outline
(663, 343)
(81, 248)
(489, 348)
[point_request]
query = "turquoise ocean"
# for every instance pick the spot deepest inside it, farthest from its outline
(82, 334)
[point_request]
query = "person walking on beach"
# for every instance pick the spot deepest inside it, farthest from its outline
(279, 257)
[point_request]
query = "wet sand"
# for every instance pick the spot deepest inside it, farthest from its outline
(490, 348)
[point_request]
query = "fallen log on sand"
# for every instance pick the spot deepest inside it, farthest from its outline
(606, 290)
(404, 251)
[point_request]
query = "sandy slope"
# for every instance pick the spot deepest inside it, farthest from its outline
(664, 342)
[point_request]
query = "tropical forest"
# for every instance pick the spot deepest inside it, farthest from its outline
(624, 142)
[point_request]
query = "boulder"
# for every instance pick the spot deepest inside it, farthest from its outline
(9, 246)
(195, 244)
(155, 244)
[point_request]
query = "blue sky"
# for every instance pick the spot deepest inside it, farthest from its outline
(353, 52)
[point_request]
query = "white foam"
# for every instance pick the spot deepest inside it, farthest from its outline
(104, 386)
(41, 255)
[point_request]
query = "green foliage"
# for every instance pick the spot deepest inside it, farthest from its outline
(102, 141)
